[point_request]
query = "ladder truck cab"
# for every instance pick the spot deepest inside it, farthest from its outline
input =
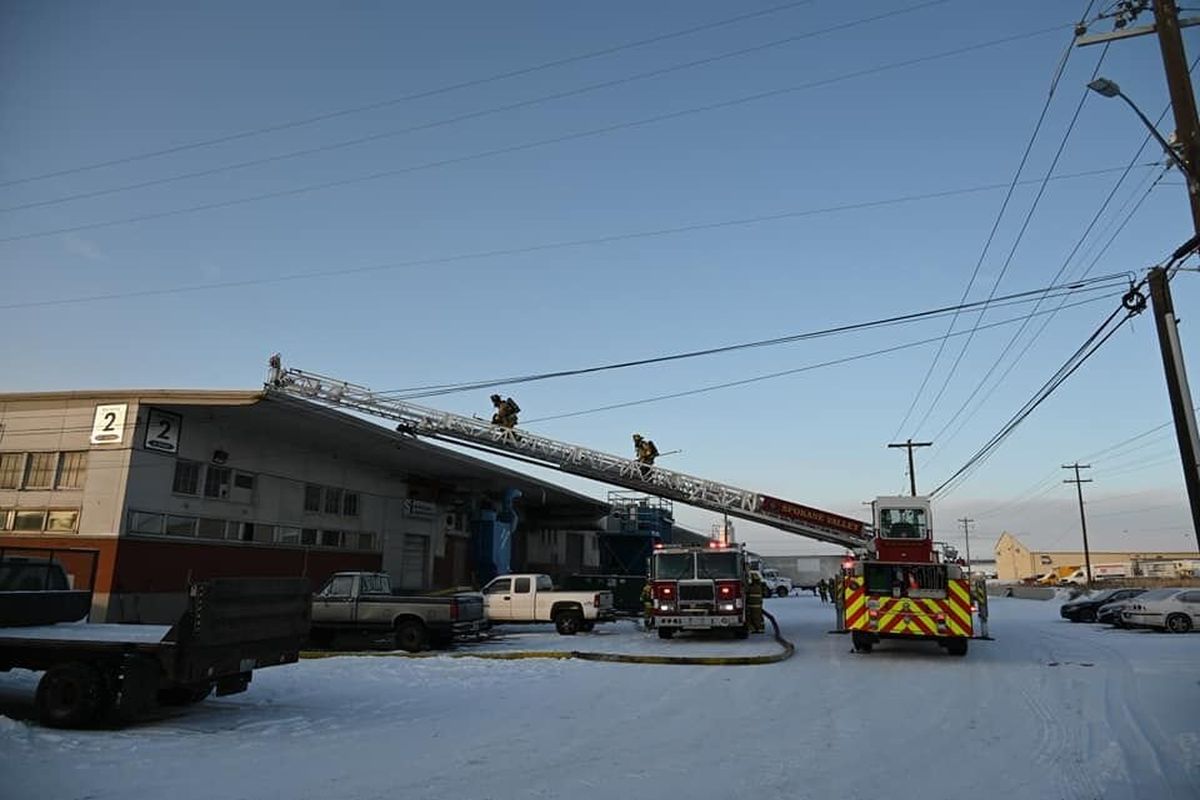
(901, 590)
(697, 588)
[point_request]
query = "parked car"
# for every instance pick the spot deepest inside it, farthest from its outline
(1085, 607)
(1175, 610)
(776, 584)
(532, 598)
(364, 603)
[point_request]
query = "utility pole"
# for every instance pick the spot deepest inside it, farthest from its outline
(1079, 482)
(1187, 137)
(912, 471)
(966, 521)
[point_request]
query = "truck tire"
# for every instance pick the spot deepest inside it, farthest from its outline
(568, 622)
(666, 633)
(956, 647)
(411, 636)
(71, 695)
(1178, 623)
(861, 641)
(588, 625)
(782, 592)
(179, 694)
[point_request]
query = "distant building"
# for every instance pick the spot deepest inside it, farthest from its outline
(163, 487)
(1015, 561)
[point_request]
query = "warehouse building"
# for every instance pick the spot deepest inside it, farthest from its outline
(165, 487)
(1016, 562)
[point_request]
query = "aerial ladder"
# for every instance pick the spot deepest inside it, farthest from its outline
(722, 498)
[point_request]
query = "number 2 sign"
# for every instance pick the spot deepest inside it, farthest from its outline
(108, 426)
(162, 431)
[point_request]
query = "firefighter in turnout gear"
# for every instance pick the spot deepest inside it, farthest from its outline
(645, 450)
(754, 604)
(506, 412)
(647, 606)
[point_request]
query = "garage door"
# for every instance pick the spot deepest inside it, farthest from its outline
(413, 559)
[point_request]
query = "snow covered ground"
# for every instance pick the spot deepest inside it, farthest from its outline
(1048, 710)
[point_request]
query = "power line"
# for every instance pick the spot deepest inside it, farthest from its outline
(531, 145)
(297, 123)
(995, 226)
(535, 248)
(769, 376)
(941, 435)
(1004, 270)
(1073, 363)
(1099, 284)
(471, 115)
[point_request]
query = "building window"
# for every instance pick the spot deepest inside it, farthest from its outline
(331, 538)
(40, 469)
(350, 504)
(211, 528)
(64, 520)
(366, 541)
(308, 536)
(71, 470)
(216, 482)
(333, 501)
(312, 497)
(187, 478)
(180, 526)
(5, 518)
(29, 520)
(12, 466)
(287, 535)
(144, 522)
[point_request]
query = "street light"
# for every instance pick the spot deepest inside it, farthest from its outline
(1106, 88)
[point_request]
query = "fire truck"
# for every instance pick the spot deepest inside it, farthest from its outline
(894, 587)
(698, 588)
(900, 589)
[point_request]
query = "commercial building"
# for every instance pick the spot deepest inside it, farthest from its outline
(1015, 561)
(164, 487)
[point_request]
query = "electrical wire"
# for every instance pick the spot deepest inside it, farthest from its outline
(1004, 270)
(472, 115)
(297, 123)
(534, 248)
(531, 145)
(1097, 339)
(1100, 284)
(919, 393)
(768, 376)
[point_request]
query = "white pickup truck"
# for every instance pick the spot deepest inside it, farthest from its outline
(776, 585)
(532, 598)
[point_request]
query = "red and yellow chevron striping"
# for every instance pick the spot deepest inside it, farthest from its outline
(911, 616)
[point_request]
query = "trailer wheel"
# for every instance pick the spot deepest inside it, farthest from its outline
(957, 647)
(71, 695)
(568, 622)
(411, 636)
(666, 633)
(861, 641)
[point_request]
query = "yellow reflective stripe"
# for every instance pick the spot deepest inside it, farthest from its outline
(962, 594)
(854, 606)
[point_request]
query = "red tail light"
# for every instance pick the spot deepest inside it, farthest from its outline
(664, 591)
(596, 601)
(729, 590)
(454, 609)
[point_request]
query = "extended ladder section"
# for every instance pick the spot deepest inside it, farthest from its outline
(721, 498)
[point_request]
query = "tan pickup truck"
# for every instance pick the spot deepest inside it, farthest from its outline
(364, 603)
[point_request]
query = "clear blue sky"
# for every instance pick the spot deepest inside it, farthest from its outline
(86, 82)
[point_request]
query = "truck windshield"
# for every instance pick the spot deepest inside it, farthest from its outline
(673, 566)
(902, 523)
(717, 565)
